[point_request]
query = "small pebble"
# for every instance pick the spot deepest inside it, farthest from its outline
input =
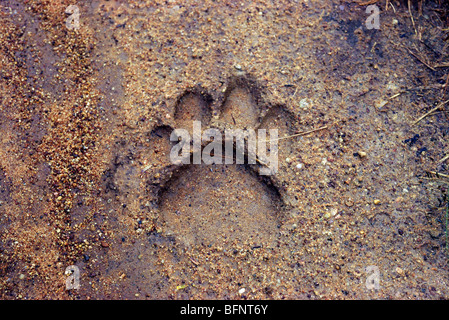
(333, 211)
(242, 291)
(104, 244)
(376, 201)
(299, 166)
(303, 103)
(379, 104)
(362, 154)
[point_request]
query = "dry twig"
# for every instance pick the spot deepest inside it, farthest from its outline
(298, 134)
(420, 59)
(431, 111)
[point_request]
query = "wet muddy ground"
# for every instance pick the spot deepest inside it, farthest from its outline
(86, 178)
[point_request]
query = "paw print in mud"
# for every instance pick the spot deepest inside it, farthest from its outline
(219, 180)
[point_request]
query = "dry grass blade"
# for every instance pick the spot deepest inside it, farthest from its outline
(395, 95)
(367, 2)
(421, 60)
(298, 134)
(442, 65)
(444, 159)
(411, 17)
(430, 112)
(439, 175)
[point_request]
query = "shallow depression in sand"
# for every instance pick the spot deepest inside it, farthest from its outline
(203, 206)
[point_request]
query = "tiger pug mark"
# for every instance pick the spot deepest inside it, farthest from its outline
(225, 202)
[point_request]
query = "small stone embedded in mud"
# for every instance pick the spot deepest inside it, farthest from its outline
(362, 154)
(434, 233)
(104, 244)
(379, 104)
(303, 103)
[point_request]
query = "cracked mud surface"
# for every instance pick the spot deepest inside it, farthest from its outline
(86, 180)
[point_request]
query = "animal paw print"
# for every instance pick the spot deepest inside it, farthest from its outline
(219, 203)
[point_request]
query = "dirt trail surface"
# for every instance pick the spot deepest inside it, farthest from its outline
(86, 180)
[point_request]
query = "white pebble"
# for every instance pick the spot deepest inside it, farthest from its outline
(333, 211)
(242, 291)
(299, 166)
(362, 154)
(303, 103)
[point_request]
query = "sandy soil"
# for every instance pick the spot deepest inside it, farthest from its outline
(86, 180)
